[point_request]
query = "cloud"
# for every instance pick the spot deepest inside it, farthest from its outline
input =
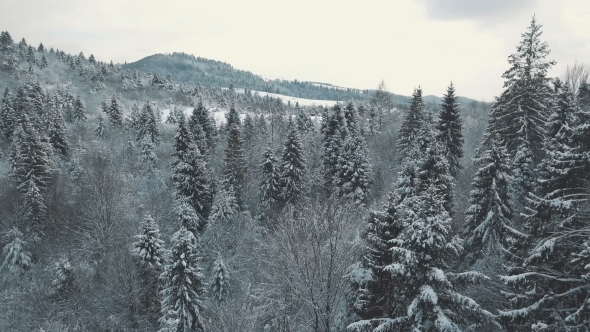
(452, 10)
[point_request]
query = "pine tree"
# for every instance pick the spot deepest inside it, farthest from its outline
(16, 259)
(58, 134)
(270, 186)
(354, 176)
(488, 225)
(449, 130)
(149, 248)
(6, 42)
(219, 284)
(115, 112)
(519, 114)
(148, 126)
(293, 168)
(426, 292)
(184, 288)
(7, 116)
(412, 124)
(100, 129)
(334, 131)
(377, 299)
(224, 206)
(79, 113)
(189, 173)
(235, 160)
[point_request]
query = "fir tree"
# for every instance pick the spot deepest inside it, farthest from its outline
(7, 116)
(426, 292)
(184, 288)
(189, 173)
(79, 113)
(100, 129)
(200, 115)
(148, 158)
(293, 168)
(334, 131)
(519, 114)
(354, 176)
(224, 206)
(147, 126)
(270, 186)
(58, 135)
(433, 170)
(412, 124)
(16, 259)
(235, 160)
(219, 284)
(488, 225)
(115, 112)
(449, 130)
(377, 298)
(149, 248)
(6, 42)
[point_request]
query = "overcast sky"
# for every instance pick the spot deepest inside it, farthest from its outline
(348, 43)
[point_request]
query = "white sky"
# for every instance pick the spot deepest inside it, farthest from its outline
(348, 43)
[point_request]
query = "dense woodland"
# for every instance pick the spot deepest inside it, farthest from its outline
(125, 205)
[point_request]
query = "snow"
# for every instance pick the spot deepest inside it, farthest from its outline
(293, 100)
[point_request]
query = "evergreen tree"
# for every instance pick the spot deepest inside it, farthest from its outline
(377, 299)
(184, 288)
(519, 114)
(412, 124)
(224, 206)
(16, 259)
(434, 170)
(115, 112)
(7, 116)
(58, 134)
(293, 168)
(449, 130)
(354, 176)
(219, 284)
(149, 248)
(148, 158)
(148, 126)
(189, 173)
(100, 129)
(488, 225)
(270, 186)
(334, 131)
(200, 115)
(426, 292)
(79, 113)
(235, 160)
(6, 42)
(43, 63)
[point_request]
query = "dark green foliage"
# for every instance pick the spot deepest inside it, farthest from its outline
(293, 169)
(270, 185)
(449, 130)
(412, 125)
(147, 125)
(235, 161)
(79, 113)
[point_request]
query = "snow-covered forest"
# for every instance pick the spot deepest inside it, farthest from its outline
(126, 205)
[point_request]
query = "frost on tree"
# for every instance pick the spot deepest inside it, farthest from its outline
(235, 160)
(270, 184)
(426, 292)
(149, 247)
(224, 206)
(219, 283)
(293, 168)
(488, 226)
(183, 286)
(17, 260)
(449, 130)
(412, 124)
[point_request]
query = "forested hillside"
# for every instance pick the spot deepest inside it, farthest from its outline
(135, 200)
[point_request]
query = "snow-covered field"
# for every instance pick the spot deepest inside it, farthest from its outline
(293, 100)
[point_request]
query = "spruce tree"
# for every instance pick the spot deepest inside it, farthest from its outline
(183, 284)
(412, 124)
(7, 115)
(189, 173)
(79, 113)
(519, 114)
(235, 160)
(427, 293)
(270, 185)
(488, 227)
(100, 129)
(334, 131)
(148, 126)
(43, 64)
(58, 134)
(354, 175)
(17, 260)
(224, 206)
(293, 168)
(6, 42)
(115, 112)
(149, 248)
(449, 130)
(219, 284)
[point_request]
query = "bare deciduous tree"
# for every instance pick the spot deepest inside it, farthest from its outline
(576, 75)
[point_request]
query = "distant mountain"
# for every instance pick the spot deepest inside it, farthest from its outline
(187, 68)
